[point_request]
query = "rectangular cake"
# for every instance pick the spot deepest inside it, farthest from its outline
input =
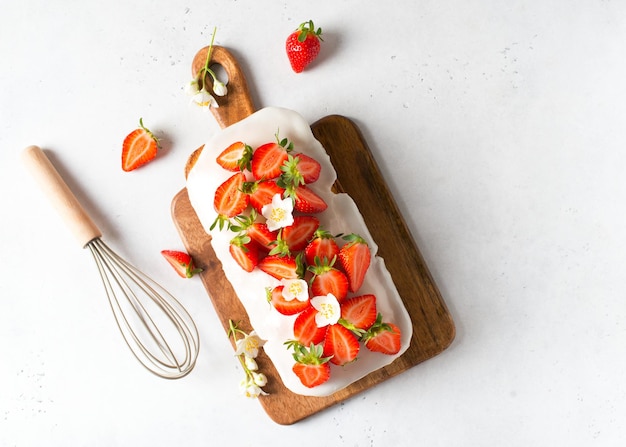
(340, 217)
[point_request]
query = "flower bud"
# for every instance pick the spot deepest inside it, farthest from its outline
(259, 379)
(219, 88)
(250, 363)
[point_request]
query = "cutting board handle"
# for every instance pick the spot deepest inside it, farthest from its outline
(237, 104)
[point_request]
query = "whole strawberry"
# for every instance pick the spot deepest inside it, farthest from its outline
(303, 45)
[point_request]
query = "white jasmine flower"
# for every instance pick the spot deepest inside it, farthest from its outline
(249, 345)
(295, 289)
(204, 99)
(250, 389)
(278, 213)
(328, 309)
(192, 87)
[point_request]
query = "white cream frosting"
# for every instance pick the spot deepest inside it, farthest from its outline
(342, 216)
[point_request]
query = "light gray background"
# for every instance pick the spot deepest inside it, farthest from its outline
(499, 127)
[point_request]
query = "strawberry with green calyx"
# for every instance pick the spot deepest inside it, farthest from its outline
(245, 251)
(299, 170)
(383, 337)
(305, 200)
(229, 200)
(256, 230)
(322, 246)
(261, 193)
(303, 46)
(280, 263)
(139, 147)
(359, 313)
(328, 280)
(311, 366)
(182, 263)
(268, 158)
(236, 157)
(341, 345)
(354, 259)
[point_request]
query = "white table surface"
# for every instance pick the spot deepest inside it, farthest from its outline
(499, 127)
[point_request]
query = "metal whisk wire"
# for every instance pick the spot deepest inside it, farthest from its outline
(145, 312)
(120, 277)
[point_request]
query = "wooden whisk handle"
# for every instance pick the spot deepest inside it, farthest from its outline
(60, 195)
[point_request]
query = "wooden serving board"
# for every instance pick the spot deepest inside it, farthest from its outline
(359, 176)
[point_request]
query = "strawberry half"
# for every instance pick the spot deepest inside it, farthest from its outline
(383, 337)
(229, 199)
(303, 46)
(305, 329)
(328, 279)
(278, 301)
(354, 258)
(306, 201)
(139, 147)
(279, 266)
(341, 345)
(311, 366)
(312, 375)
(298, 234)
(322, 246)
(182, 263)
(261, 193)
(259, 232)
(269, 157)
(235, 157)
(245, 252)
(359, 313)
(308, 167)
(300, 169)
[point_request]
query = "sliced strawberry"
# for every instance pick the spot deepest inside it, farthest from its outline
(182, 263)
(279, 266)
(298, 234)
(311, 366)
(259, 232)
(291, 307)
(245, 252)
(298, 170)
(307, 201)
(328, 279)
(229, 199)
(383, 337)
(322, 247)
(261, 193)
(305, 328)
(139, 147)
(354, 259)
(269, 157)
(308, 167)
(341, 345)
(235, 157)
(312, 375)
(359, 312)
